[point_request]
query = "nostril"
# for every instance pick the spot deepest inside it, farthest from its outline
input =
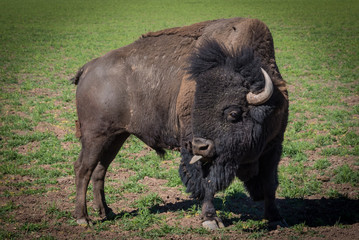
(204, 148)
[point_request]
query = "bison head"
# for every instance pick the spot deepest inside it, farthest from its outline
(232, 103)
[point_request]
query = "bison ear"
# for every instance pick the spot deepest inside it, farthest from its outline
(209, 55)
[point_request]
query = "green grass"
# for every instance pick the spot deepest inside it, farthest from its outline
(148, 201)
(43, 43)
(295, 182)
(321, 164)
(6, 212)
(345, 174)
(56, 212)
(34, 227)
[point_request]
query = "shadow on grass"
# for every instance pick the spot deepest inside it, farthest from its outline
(312, 212)
(320, 212)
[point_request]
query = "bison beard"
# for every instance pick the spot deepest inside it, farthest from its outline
(200, 179)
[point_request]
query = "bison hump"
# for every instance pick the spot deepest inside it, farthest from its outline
(192, 31)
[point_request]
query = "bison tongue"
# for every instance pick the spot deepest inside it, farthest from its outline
(195, 159)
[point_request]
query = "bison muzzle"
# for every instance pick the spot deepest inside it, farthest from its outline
(211, 90)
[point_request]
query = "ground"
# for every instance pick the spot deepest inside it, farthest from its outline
(42, 47)
(49, 214)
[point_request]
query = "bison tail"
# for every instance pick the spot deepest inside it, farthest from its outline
(75, 80)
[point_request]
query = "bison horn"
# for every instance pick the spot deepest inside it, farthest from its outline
(262, 97)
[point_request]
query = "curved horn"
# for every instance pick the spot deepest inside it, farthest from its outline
(262, 97)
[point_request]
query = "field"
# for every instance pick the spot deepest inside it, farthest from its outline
(43, 43)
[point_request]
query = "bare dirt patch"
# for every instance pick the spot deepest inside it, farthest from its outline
(45, 127)
(31, 147)
(43, 92)
(351, 100)
(321, 215)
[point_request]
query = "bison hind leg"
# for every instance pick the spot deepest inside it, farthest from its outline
(98, 177)
(97, 153)
(160, 151)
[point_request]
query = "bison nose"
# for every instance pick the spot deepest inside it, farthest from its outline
(203, 147)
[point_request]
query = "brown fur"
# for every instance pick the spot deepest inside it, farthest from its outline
(78, 129)
(192, 31)
(143, 89)
(234, 33)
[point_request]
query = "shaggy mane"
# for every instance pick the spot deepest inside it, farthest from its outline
(212, 54)
(209, 55)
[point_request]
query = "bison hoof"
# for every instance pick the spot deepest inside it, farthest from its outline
(110, 215)
(84, 222)
(213, 224)
(278, 224)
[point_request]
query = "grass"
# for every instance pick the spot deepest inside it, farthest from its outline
(44, 43)
(33, 227)
(56, 212)
(344, 174)
(148, 201)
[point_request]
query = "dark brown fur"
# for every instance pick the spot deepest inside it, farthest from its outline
(144, 89)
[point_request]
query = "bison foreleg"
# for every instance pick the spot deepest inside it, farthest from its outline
(264, 186)
(209, 217)
(197, 182)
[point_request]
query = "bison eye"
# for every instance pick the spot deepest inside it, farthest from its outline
(233, 114)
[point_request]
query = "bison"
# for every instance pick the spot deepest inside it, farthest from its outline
(211, 90)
